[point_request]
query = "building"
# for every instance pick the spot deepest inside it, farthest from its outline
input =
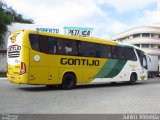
(145, 37)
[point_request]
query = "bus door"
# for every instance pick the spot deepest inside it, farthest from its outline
(143, 63)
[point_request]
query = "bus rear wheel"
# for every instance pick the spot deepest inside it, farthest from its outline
(68, 81)
(133, 79)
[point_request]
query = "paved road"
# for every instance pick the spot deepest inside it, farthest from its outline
(144, 97)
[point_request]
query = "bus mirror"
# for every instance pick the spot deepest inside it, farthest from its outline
(144, 62)
(148, 58)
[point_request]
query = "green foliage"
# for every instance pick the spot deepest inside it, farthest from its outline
(7, 16)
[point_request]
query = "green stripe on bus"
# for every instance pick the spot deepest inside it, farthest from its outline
(111, 68)
(116, 69)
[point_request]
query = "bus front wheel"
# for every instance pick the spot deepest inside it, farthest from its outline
(133, 79)
(68, 81)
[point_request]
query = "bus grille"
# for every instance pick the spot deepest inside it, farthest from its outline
(13, 54)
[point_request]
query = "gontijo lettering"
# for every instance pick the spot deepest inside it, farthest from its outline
(84, 62)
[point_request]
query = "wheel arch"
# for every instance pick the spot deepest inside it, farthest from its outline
(68, 72)
(135, 74)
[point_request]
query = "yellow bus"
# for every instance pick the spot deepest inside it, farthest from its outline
(41, 58)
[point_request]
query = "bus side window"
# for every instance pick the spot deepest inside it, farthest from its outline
(66, 47)
(145, 62)
(77, 47)
(52, 45)
(114, 54)
(120, 52)
(90, 49)
(87, 49)
(69, 47)
(103, 51)
(44, 44)
(34, 41)
(140, 57)
(129, 54)
(60, 47)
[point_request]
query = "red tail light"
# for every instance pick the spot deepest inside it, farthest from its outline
(23, 68)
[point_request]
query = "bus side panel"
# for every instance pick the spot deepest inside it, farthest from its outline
(38, 75)
(85, 72)
(53, 76)
(88, 74)
(25, 60)
(38, 71)
(45, 70)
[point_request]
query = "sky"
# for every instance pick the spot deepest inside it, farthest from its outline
(107, 17)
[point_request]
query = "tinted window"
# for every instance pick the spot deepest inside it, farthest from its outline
(86, 49)
(130, 54)
(34, 41)
(114, 52)
(103, 51)
(66, 47)
(44, 44)
(117, 52)
(52, 45)
(142, 58)
(120, 52)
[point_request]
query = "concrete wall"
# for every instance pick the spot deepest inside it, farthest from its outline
(3, 55)
(3, 62)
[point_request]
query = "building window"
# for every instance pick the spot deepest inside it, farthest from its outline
(130, 37)
(145, 45)
(155, 35)
(145, 34)
(152, 35)
(154, 46)
(138, 45)
(136, 35)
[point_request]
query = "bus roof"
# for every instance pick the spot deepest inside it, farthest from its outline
(129, 45)
(89, 39)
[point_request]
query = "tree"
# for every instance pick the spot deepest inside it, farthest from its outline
(4, 21)
(7, 16)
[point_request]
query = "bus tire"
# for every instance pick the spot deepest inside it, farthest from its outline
(133, 79)
(68, 81)
(50, 86)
